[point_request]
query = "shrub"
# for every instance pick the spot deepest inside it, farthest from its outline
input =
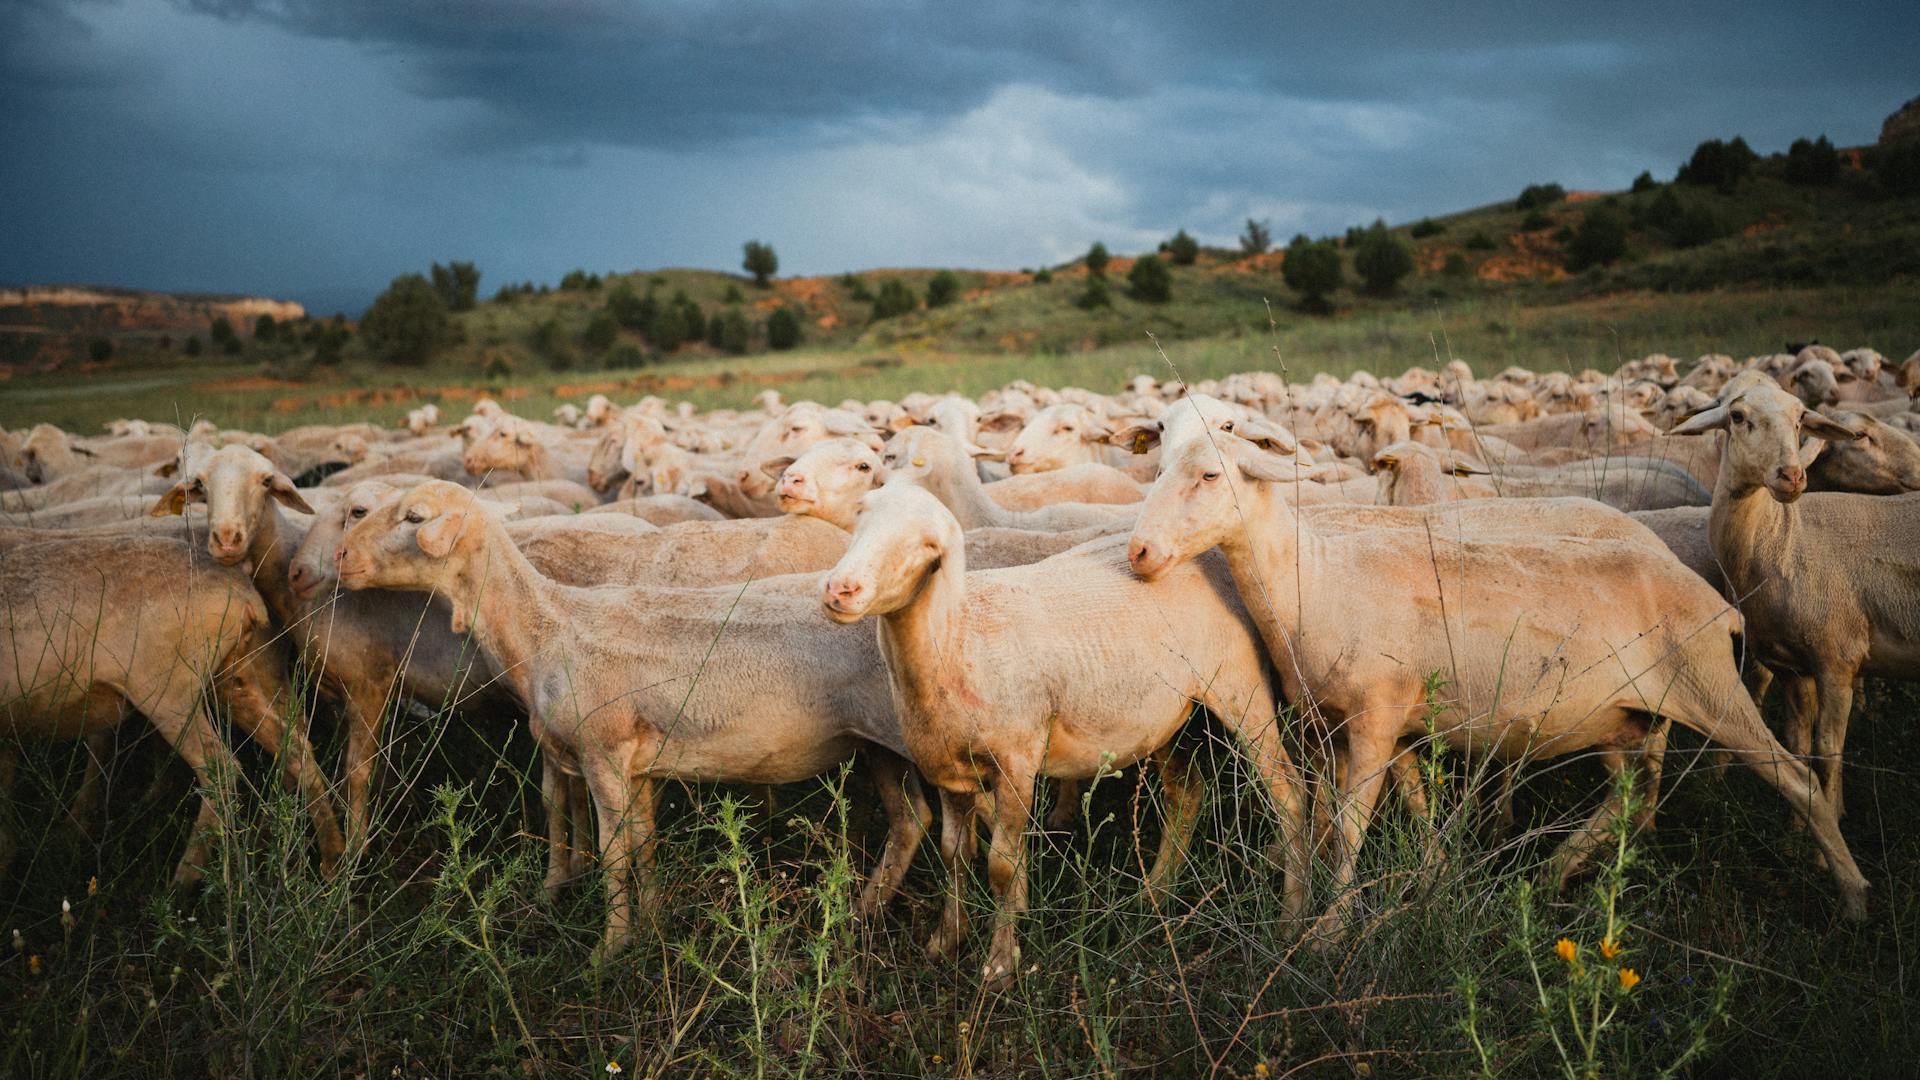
(1718, 164)
(1312, 269)
(783, 328)
(1257, 238)
(733, 295)
(1685, 222)
(895, 299)
(736, 333)
(220, 331)
(1151, 280)
(192, 347)
(1812, 163)
(671, 329)
(1535, 221)
(1382, 259)
(407, 323)
(1601, 239)
(1480, 241)
(265, 329)
(627, 308)
(1426, 227)
(1096, 295)
(1644, 182)
(1183, 250)
(1043, 276)
(1456, 266)
(1097, 259)
(458, 284)
(857, 289)
(760, 261)
(506, 295)
(1535, 196)
(716, 331)
(99, 350)
(601, 332)
(626, 354)
(942, 289)
(1896, 168)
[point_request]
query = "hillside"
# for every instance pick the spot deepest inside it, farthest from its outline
(49, 326)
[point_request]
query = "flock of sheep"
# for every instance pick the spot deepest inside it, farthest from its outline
(979, 595)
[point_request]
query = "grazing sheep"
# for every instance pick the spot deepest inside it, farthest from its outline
(931, 460)
(1067, 668)
(626, 685)
(79, 647)
(1062, 435)
(1645, 638)
(1824, 602)
(1882, 460)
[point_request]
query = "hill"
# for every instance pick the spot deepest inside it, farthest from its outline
(48, 326)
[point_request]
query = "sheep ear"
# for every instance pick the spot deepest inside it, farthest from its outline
(1002, 420)
(1266, 436)
(1707, 419)
(286, 494)
(985, 452)
(524, 437)
(900, 423)
(1810, 450)
(171, 504)
(166, 468)
(437, 537)
(1821, 427)
(1098, 432)
(1137, 438)
(1384, 460)
(81, 450)
(1463, 467)
(775, 467)
(1263, 466)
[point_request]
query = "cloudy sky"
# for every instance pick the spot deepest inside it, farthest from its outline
(316, 148)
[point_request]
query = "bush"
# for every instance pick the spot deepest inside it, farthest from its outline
(1718, 164)
(716, 329)
(1151, 280)
(1456, 266)
(783, 328)
(1480, 241)
(760, 261)
(265, 329)
(1097, 259)
(1644, 182)
(1896, 168)
(736, 333)
(100, 350)
(1257, 238)
(1312, 269)
(1426, 227)
(1095, 296)
(1601, 239)
(220, 331)
(1812, 163)
(1183, 250)
(857, 289)
(670, 328)
(1043, 276)
(601, 332)
(579, 281)
(458, 284)
(626, 355)
(942, 289)
(1535, 196)
(192, 347)
(407, 323)
(1535, 221)
(628, 309)
(895, 299)
(1382, 259)
(1685, 222)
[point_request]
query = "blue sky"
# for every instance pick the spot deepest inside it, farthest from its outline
(314, 149)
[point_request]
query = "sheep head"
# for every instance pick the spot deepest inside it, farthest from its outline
(1764, 426)
(235, 483)
(902, 535)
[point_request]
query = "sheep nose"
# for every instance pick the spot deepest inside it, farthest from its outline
(842, 593)
(1138, 553)
(227, 538)
(298, 576)
(1793, 475)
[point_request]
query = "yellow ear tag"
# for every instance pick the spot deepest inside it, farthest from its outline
(1139, 442)
(919, 461)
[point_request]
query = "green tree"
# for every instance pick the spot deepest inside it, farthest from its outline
(1183, 249)
(1382, 259)
(407, 323)
(1456, 265)
(1095, 296)
(1257, 239)
(942, 289)
(1313, 270)
(100, 350)
(1151, 280)
(761, 262)
(670, 328)
(1601, 239)
(1719, 164)
(627, 308)
(1043, 276)
(602, 329)
(1097, 259)
(895, 299)
(1538, 196)
(690, 314)
(458, 284)
(716, 329)
(192, 347)
(736, 333)
(220, 333)
(783, 328)
(1812, 163)
(1644, 182)
(1480, 241)
(265, 328)
(1426, 227)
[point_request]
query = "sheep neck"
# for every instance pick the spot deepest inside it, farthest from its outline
(496, 591)
(924, 643)
(538, 464)
(1268, 557)
(1750, 532)
(271, 553)
(961, 490)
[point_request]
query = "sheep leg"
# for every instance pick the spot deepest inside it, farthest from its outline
(252, 708)
(554, 792)
(1577, 848)
(1803, 705)
(1407, 781)
(187, 728)
(1738, 727)
(958, 841)
(9, 765)
(624, 809)
(907, 817)
(1368, 755)
(581, 842)
(364, 729)
(1066, 804)
(1835, 694)
(1653, 758)
(1007, 873)
(1183, 790)
(1294, 831)
(84, 809)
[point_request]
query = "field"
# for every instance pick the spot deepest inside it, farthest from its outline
(436, 953)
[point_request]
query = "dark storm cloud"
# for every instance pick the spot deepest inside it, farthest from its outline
(300, 145)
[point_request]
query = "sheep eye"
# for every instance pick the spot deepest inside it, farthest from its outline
(864, 467)
(357, 513)
(1228, 426)
(416, 516)
(1210, 475)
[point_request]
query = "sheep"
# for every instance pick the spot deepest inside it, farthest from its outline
(80, 647)
(1821, 609)
(660, 509)
(1622, 482)
(569, 415)
(90, 482)
(1066, 668)
(423, 419)
(514, 445)
(1090, 482)
(1683, 529)
(1883, 460)
(1412, 474)
(626, 685)
(941, 465)
(1614, 429)
(1062, 435)
(630, 432)
(786, 435)
(1524, 679)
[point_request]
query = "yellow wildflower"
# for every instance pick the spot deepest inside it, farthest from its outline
(93, 885)
(1609, 948)
(1567, 949)
(1629, 978)
(1261, 1069)
(33, 965)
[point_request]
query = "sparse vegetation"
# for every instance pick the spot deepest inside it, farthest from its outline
(1382, 259)
(1096, 259)
(1313, 270)
(1150, 280)
(406, 324)
(1183, 250)
(760, 261)
(1256, 238)
(1539, 196)
(943, 288)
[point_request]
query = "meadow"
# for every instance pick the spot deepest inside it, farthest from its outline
(1706, 947)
